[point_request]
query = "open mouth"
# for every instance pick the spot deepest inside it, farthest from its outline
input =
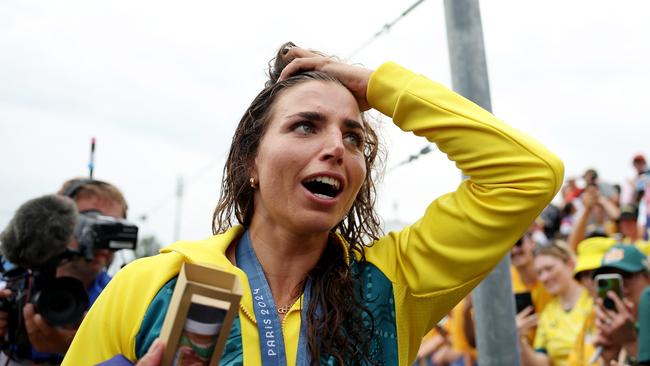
(323, 187)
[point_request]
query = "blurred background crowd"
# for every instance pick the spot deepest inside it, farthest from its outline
(594, 236)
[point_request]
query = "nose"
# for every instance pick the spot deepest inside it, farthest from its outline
(333, 148)
(543, 276)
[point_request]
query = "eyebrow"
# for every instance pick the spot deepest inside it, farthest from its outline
(319, 117)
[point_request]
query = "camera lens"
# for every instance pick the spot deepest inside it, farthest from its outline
(62, 302)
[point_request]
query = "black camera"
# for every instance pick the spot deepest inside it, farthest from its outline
(35, 244)
(97, 231)
(61, 301)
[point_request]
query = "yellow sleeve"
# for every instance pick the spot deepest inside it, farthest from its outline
(436, 261)
(464, 234)
(112, 323)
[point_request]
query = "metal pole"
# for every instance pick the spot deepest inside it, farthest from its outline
(494, 310)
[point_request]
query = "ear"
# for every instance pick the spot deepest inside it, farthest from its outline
(251, 167)
(571, 263)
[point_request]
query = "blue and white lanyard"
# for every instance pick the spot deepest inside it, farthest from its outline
(268, 323)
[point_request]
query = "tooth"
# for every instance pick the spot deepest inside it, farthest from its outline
(327, 180)
(322, 196)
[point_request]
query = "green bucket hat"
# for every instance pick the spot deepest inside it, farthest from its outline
(624, 257)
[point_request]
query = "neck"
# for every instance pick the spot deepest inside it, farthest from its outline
(527, 274)
(286, 258)
(570, 296)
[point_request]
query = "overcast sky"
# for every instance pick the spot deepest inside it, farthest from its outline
(162, 85)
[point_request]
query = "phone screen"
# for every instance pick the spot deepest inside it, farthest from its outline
(609, 282)
(523, 300)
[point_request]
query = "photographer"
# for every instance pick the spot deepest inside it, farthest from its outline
(49, 342)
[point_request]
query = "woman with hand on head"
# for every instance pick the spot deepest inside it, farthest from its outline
(299, 181)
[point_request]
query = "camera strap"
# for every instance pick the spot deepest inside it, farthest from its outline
(269, 325)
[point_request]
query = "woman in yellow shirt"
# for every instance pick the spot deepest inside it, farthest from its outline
(296, 224)
(562, 319)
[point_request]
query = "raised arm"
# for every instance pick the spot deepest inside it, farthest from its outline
(464, 234)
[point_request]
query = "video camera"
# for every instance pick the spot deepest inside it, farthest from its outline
(97, 231)
(61, 301)
(35, 243)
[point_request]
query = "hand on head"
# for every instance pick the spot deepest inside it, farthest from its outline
(354, 78)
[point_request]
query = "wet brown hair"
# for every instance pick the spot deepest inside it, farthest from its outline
(339, 332)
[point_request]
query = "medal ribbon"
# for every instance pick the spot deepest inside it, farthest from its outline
(269, 325)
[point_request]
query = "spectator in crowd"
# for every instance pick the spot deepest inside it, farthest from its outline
(597, 217)
(590, 252)
(643, 220)
(590, 256)
(616, 328)
(591, 178)
(436, 339)
(567, 219)
(570, 190)
(462, 350)
(524, 280)
(523, 272)
(99, 196)
(616, 197)
(453, 344)
(627, 230)
(562, 318)
(551, 219)
(49, 342)
(641, 184)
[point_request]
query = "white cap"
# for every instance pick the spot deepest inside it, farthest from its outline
(203, 319)
(202, 328)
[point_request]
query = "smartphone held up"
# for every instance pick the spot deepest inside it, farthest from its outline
(609, 282)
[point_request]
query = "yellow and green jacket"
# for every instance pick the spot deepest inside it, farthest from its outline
(411, 279)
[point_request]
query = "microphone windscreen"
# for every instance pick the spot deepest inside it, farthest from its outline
(39, 231)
